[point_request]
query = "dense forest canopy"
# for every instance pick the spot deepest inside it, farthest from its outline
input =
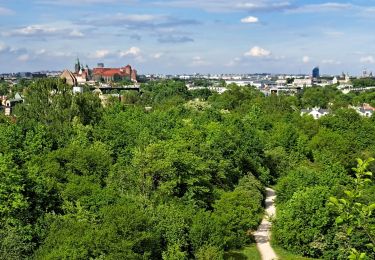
(184, 178)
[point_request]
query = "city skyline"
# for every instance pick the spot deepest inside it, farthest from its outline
(180, 36)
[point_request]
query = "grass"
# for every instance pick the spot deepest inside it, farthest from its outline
(249, 252)
(286, 255)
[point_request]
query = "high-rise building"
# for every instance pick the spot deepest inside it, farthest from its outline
(316, 73)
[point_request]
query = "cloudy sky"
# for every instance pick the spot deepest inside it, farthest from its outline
(186, 36)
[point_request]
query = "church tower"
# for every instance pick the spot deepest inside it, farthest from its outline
(77, 66)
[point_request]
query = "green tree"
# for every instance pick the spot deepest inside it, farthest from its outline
(355, 214)
(304, 221)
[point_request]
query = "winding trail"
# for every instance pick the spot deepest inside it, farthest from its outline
(263, 234)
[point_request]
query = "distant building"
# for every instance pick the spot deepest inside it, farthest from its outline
(82, 74)
(316, 73)
(240, 82)
(316, 112)
(366, 110)
(217, 89)
(11, 103)
(281, 82)
(343, 80)
(77, 90)
(114, 74)
(305, 82)
(69, 77)
(366, 74)
(38, 75)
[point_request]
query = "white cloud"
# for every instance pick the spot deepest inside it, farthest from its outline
(138, 21)
(23, 57)
(39, 31)
(331, 62)
(76, 33)
(133, 51)
(32, 30)
(5, 11)
(306, 59)
(41, 52)
(199, 61)
(367, 59)
(141, 17)
(3, 47)
(263, 5)
(368, 12)
(20, 54)
(99, 54)
(250, 19)
(84, 2)
(234, 62)
(324, 7)
(334, 33)
(257, 51)
(158, 55)
(229, 6)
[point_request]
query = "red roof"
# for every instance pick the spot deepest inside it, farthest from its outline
(110, 72)
(368, 106)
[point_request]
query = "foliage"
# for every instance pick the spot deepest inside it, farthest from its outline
(320, 96)
(355, 214)
(183, 180)
(366, 82)
(303, 222)
(4, 88)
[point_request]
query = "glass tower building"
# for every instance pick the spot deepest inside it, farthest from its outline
(316, 72)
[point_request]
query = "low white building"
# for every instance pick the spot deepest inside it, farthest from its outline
(281, 82)
(316, 112)
(77, 90)
(365, 110)
(217, 89)
(11, 103)
(241, 83)
(305, 82)
(341, 81)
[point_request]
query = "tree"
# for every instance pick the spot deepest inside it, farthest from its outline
(87, 108)
(123, 230)
(368, 82)
(304, 221)
(355, 214)
(4, 88)
(209, 253)
(48, 101)
(240, 211)
(319, 96)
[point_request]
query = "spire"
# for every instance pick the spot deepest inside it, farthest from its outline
(77, 66)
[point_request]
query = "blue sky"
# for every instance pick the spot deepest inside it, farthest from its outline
(187, 36)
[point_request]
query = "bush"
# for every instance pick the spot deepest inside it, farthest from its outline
(240, 211)
(209, 253)
(303, 222)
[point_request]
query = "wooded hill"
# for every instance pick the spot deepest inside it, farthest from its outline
(184, 179)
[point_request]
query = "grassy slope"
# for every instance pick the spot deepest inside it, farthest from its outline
(285, 255)
(249, 252)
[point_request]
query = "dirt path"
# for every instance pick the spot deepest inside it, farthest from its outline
(263, 234)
